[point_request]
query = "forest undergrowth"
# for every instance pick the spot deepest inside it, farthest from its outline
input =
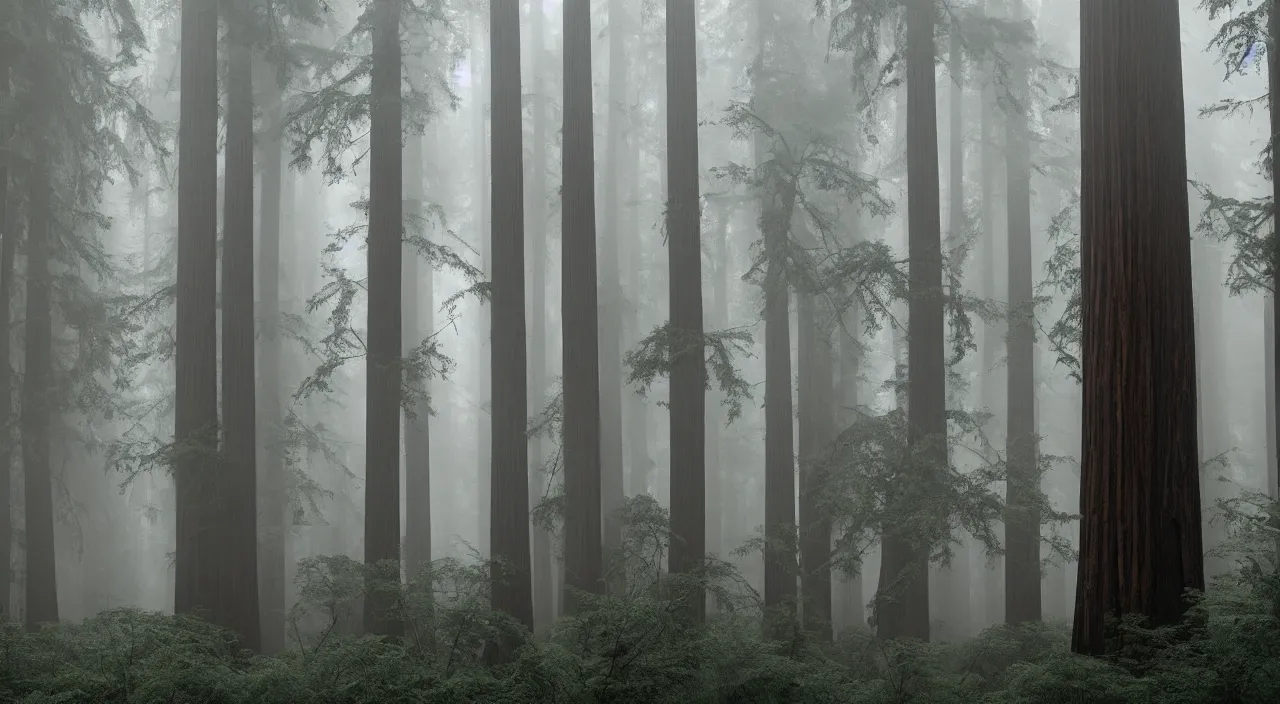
(638, 647)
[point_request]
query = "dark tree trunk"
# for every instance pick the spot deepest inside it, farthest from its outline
(905, 561)
(8, 247)
(273, 528)
(777, 201)
(198, 570)
(1140, 539)
(1022, 519)
(846, 402)
(238, 517)
(382, 414)
(583, 556)
(41, 577)
(684, 243)
(543, 590)
(509, 507)
(717, 417)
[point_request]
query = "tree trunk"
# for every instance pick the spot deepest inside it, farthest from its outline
(816, 433)
(905, 563)
(512, 592)
(1140, 496)
(273, 501)
(777, 201)
(197, 578)
(612, 483)
(717, 417)
(481, 206)
(238, 516)
(684, 246)
(581, 361)
(1273, 361)
(8, 247)
(955, 594)
(849, 331)
(1022, 520)
(418, 315)
(37, 382)
(992, 334)
(543, 590)
(382, 411)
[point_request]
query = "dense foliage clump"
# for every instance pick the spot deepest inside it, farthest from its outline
(635, 648)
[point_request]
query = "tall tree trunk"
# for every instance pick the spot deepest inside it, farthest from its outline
(484, 407)
(852, 606)
(41, 577)
(8, 247)
(777, 201)
(1022, 519)
(581, 363)
(238, 517)
(684, 246)
(272, 502)
(543, 595)
(992, 334)
(816, 433)
(512, 592)
(418, 314)
(955, 591)
(717, 418)
(904, 573)
(1269, 347)
(611, 477)
(198, 573)
(1274, 359)
(382, 414)
(1140, 495)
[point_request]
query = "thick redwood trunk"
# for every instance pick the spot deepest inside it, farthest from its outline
(684, 246)
(41, 577)
(581, 364)
(512, 592)
(1140, 530)
(238, 516)
(382, 411)
(197, 571)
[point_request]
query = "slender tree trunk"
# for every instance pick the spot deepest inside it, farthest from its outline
(382, 414)
(239, 515)
(848, 332)
(955, 591)
(717, 418)
(41, 577)
(484, 408)
(905, 566)
(512, 591)
(816, 433)
(582, 481)
(1269, 346)
(1022, 519)
(198, 574)
(1274, 359)
(1140, 495)
(992, 334)
(274, 529)
(543, 589)
(8, 247)
(418, 314)
(777, 200)
(684, 245)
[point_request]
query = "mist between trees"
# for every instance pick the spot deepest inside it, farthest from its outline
(626, 350)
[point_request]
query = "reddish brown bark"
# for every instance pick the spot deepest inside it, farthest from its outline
(1140, 498)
